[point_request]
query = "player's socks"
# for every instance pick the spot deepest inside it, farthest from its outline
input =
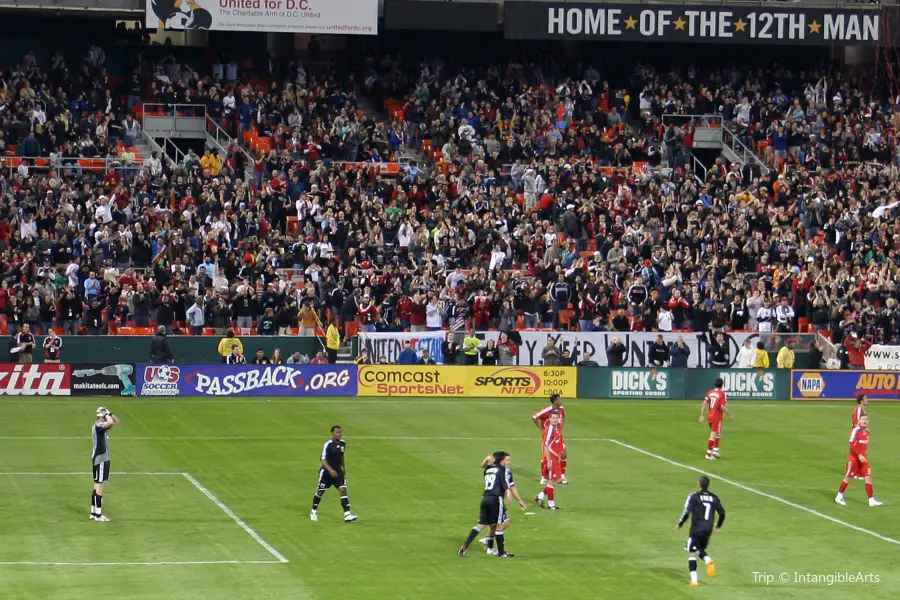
(345, 504)
(501, 542)
(562, 463)
(843, 487)
(94, 503)
(692, 567)
(542, 495)
(99, 505)
(869, 491)
(551, 494)
(316, 499)
(709, 447)
(472, 535)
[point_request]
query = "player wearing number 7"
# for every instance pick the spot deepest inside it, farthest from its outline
(701, 506)
(716, 402)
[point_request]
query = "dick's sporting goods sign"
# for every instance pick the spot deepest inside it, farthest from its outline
(703, 24)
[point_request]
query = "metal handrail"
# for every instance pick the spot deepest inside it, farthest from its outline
(699, 174)
(177, 154)
(161, 109)
(706, 120)
(743, 153)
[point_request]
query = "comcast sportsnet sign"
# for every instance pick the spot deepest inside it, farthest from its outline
(292, 16)
(411, 381)
(469, 381)
(35, 380)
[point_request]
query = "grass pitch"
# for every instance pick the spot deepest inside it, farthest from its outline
(209, 497)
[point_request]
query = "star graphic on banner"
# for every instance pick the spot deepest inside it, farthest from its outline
(740, 25)
(814, 27)
(679, 24)
(630, 22)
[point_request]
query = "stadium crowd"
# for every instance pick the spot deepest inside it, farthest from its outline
(545, 201)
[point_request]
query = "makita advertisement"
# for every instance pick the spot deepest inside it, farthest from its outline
(104, 379)
(35, 380)
(246, 380)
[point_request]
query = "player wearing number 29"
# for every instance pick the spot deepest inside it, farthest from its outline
(541, 419)
(858, 463)
(498, 485)
(333, 473)
(716, 402)
(702, 507)
(100, 460)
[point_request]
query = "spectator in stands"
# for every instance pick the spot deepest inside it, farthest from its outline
(160, 350)
(320, 359)
(785, 357)
(615, 353)
(490, 354)
(680, 352)
(195, 317)
(228, 343)
(407, 356)
(761, 357)
(507, 350)
(450, 349)
(746, 355)
(236, 357)
(551, 355)
(471, 346)
(426, 358)
(719, 353)
(658, 352)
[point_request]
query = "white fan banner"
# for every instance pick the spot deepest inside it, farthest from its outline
(883, 358)
(294, 16)
(387, 346)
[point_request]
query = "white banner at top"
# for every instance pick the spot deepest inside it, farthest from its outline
(387, 346)
(883, 358)
(318, 17)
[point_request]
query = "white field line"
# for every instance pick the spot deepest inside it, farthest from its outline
(82, 473)
(278, 556)
(140, 564)
(298, 437)
(280, 559)
(752, 490)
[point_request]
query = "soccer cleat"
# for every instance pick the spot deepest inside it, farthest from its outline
(874, 502)
(840, 500)
(313, 515)
(349, 518)
(711, 569)
(694, 584)
(710, 457)
(543, 481)
(462, 551)
(506, 555)
(102, 518)
(492, 552)
(564, 481)
(554, 507)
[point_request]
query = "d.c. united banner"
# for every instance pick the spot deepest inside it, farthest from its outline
(293, 16)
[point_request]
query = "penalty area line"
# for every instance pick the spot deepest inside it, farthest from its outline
(186, 563)
(268, 547)
(752, 490)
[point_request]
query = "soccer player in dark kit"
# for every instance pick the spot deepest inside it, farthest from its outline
(498, 485)
(702, 507)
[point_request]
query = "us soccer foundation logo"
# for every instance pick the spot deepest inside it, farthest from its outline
(161, 380)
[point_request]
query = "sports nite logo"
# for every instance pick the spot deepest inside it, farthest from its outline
(640, 384)
(511, 381)
(160, 380)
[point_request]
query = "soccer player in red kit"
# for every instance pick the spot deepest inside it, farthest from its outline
(541, 418)
(860, 411)
(858, 463)
(553, 446)
(716, 402)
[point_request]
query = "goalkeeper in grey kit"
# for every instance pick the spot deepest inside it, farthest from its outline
(100, 460)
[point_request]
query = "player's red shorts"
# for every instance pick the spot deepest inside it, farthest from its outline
(857, 468)
(554, 470)
(715, 426)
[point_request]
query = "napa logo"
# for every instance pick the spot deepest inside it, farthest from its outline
(811, 385)
(640, 384)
